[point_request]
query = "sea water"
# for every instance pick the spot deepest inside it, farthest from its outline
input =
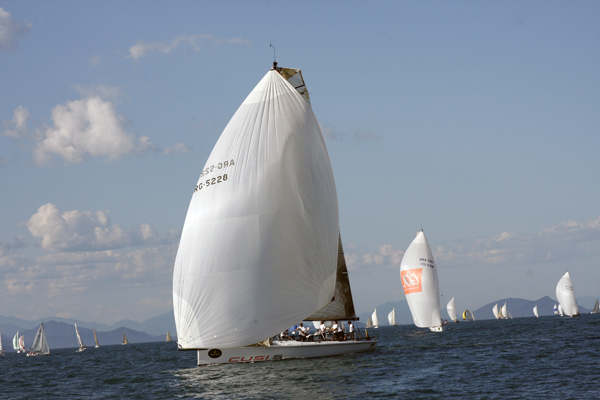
(524, 358)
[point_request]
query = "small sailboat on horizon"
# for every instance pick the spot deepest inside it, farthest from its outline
(468, 315)
(125, 341)
(418, 275)
(375, 319)
(451, 308)
(566, 296)
(79, 340)
(96, 339)
(168, 339)
(535, 311)
(2, 351)
(40, 344)
(596, 308)
(392, 317)
(15, 342)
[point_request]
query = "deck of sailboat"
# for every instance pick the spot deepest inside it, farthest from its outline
(282, 349)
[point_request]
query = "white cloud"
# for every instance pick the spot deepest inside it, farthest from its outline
(72, 231)
(88, 127)
(10, 31)
(18, 125)
(142, 48)
(178, 148)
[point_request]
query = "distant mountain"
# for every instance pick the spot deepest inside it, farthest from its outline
(62, 335)
(153, 326)
(521, 308)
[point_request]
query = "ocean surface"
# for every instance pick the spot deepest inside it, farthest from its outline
(524, 358)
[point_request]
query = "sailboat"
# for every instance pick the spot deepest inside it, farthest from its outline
(496, 312)
(535, 312)
(375, 319)
(504, 312)
(22, 344)
(468, 315)
(556, 309)
(369, 322)
(96, 338)
(125, 341)
(79, 341)
(566, 296)
(15, 342)
(40, 344)
(392, 317)
(2, 351)
(260, 248)
(168, 339)
(418, 274)
(596, 308)
(450, 307)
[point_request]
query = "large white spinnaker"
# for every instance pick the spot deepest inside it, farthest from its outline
(566, 296)
(451, 308)
(259, 245)
(418, 274)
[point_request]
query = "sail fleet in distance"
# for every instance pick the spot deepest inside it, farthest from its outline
(261, 248)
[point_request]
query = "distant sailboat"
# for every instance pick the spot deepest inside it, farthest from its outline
(566, 296)
(2, 351)
(125, 341)
(168, 339)
(496, 312)
(535, 312)
(561, 312)
(96, 338)
(596, 309)
(16, 342)
(369, 323)
(375, 319)
(556, 309)
(40, 344)
(468, 315)
(392, 317)
(418, 274)
(22, 344)
(504, 312)
(79, 341)
(452, 310)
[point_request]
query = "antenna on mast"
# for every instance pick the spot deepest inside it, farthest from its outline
(274, 56)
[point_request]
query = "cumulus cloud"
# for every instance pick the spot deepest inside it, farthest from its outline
(142, 48)
(10, 31)
(331, 133)
(178, 148)
(18, 125)
(71, 231)
(88, 127)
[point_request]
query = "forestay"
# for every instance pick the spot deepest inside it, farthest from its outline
(418, 274)
(260, 240)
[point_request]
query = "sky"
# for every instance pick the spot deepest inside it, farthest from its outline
(478, 122)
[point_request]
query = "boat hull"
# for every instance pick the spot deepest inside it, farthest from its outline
(280, 350)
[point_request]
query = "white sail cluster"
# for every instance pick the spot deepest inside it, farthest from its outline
(418, 274)
(259, 245)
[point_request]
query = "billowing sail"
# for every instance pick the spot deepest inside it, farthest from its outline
(495, 311)
(40, 344)
(375, 319)
(22, 343)
(452, 310)
(566, 296)
(418, 274)
(596, 309)
(468, 315)
(535, 312)
(392, 317)
(342, 307)
(504, 312)
(16, 341)
(556, 309)
(260, 241)
(561, 312)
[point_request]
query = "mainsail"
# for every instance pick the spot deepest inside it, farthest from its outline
(369, 323)
(451, 310)
(96, 338)
(566, 296)
(535, 312)
(495, 311)
(504, 312)
(79, 340)
(260, 240)
(418, 274)
(375, 319)
(125, 341)
(596, 309)
(392, 317)
(40, 344)
(168, 339)
(15, 342)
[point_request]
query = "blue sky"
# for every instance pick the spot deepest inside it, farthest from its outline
(477, 120)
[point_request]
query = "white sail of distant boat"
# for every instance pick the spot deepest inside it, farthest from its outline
(40, 344)
(495, 311)
(125, 341)
(504, 312)
(22, 344)
(418, 274)
(2, 351)
(468, 315)
(96, 339)
(168, 339)
(473, 315)
(267, 190)
(566, 296)
(596, 308)
(561, 312)
(369, 322)
(375, 319)
(452, 310)
(15, 342)
(535, 312)
(556, 309)
(79, 341)
(392, 317)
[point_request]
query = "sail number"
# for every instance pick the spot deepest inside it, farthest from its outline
(210, 182)
(426, 262)
(221, 165)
